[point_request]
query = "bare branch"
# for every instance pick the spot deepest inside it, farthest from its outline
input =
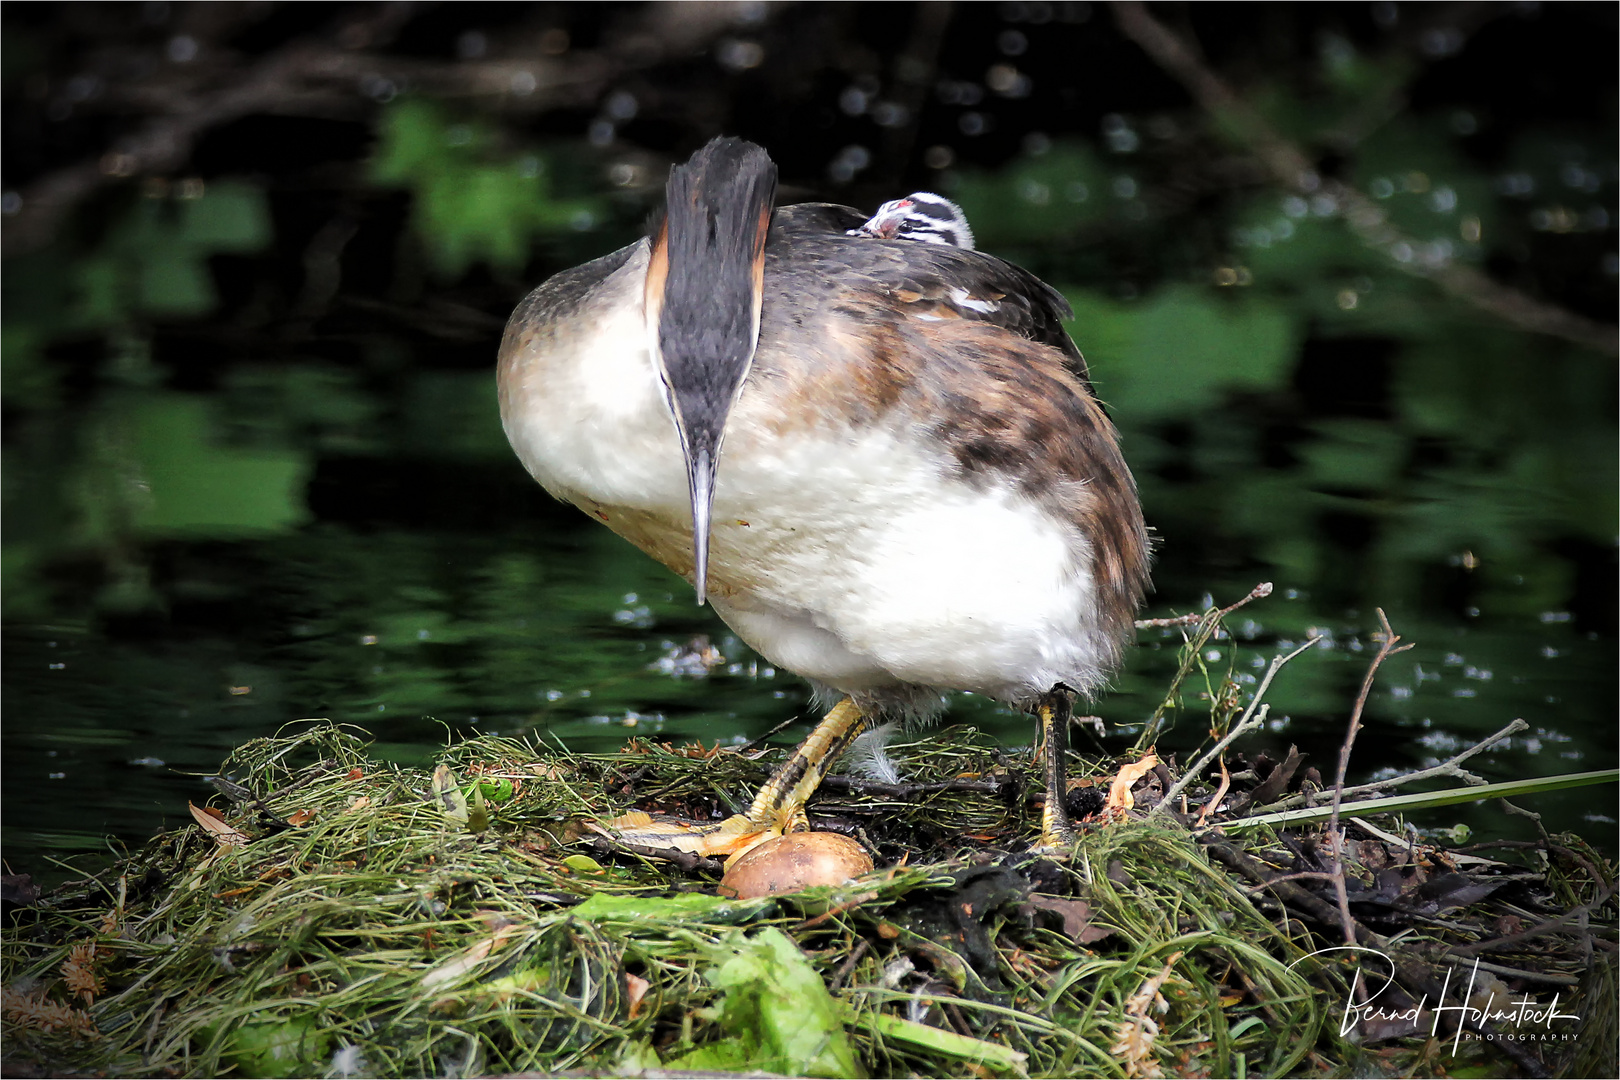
(1259, 592)
(1451, 767)
(1253, 717)
(1386, 648)
(1292, 169)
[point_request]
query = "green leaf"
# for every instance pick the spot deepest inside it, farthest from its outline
(608, 907)
(279, 1048)
(948, 1043)
(776, 1003)
(493, 789)
(583, 864)
(1425, 800)
(447, 793)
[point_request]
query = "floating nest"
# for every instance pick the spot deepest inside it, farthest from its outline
(339, 918)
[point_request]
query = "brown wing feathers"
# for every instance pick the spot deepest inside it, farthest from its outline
(974, 350)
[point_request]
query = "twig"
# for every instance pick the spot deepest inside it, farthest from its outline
(858, 786)
(1562, 924)
(1254, 716)
(1291, 168)
(1520, 973)
(833, 912)
(683, 859)
(1259, 592)
(312, 76)
(1445, 768)
(1207, 623)
(848, 965)
(1285, 889)
(1215, 799)
(1380, 105)
(1411, 844)
(757, 740)
(1387, 638)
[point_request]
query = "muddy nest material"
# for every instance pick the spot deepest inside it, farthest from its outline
(348, 917)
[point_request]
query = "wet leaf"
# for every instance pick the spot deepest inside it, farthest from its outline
(1119, 792)
(978, 1051)
(1076, 916)
(583, 864)
(215, 826)
(280, 1048)
(609, 907)
(635, 988)
(477, 812)
(777, 1012)
(468, 960)
(447, 792)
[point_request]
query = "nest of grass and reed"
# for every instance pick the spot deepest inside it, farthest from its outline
(342, 917)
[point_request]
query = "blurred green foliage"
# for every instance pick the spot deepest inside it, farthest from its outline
(1176, 351)
(150, 261)
(1042, 200)
(1482, 442)
(136, 463)
(473, 200)
(154, 261)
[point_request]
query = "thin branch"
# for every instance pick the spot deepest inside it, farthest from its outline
(760, 740)
(309, 77)
(1259, 592)
(686, 860)
(1571, 921)
(1390, 838)
(1285, 889)
(906, 792)
(1206, 624)
(1448, 768)
(1292, 169)
(1254, 716)
(1386, 638)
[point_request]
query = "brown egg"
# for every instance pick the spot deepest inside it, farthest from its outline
(796, 861)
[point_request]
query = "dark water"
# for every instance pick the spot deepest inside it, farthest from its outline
(481, 606)
(253, 471)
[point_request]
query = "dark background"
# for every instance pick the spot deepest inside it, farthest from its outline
(1345, 274)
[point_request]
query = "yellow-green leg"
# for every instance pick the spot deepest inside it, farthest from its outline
(1052, 710)
(780, 803)
(777, 809)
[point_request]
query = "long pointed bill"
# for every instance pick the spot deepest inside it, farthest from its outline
(700, 474)
(704, 292)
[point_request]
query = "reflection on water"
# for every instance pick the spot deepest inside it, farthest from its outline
(570, 635)
(253, 470)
